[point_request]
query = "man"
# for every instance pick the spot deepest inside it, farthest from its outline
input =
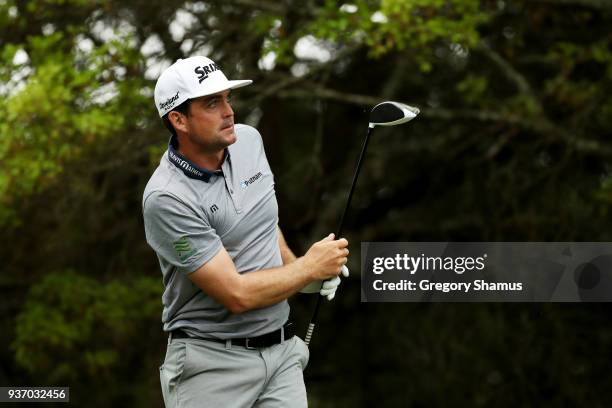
(211, 216)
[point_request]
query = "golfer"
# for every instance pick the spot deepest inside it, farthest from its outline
(211, 216)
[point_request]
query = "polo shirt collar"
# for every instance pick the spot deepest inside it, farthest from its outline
(190, 169)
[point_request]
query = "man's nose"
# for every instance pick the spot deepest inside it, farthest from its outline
(227, 109)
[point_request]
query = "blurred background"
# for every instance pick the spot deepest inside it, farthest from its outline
(513, 144)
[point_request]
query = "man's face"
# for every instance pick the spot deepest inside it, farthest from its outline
(210, 123)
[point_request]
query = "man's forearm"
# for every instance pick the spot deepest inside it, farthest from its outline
(270, 286)
(241, 292)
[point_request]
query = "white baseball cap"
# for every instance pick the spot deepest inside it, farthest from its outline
(191, 78)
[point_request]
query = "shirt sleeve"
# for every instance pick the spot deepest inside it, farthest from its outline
(177, 233)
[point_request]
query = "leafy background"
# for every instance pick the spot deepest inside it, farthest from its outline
(513, 143)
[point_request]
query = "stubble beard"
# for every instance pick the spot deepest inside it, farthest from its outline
(218, 144)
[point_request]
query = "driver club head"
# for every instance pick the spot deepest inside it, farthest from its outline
(391, 113)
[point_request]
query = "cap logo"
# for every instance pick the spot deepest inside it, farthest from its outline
(169, 102)
(205, 70)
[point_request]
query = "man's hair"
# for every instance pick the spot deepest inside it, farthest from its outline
(182, 108)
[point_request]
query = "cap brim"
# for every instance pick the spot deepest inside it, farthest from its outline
(224, 87)
(240, 83)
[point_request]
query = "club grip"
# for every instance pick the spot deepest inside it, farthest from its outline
(311, 327)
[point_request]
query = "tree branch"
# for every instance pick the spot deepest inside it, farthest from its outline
(287, 81)
(367, 100)
(397, 76)
(270, 6)
(538, 125)
(594, 4)
(304, 9)
(508, 70)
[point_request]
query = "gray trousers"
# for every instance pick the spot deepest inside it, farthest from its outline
(200, 373)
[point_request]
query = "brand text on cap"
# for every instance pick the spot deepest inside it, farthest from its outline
(169, 102)
(205, 70)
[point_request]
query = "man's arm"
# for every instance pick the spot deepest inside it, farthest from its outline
(241, 292)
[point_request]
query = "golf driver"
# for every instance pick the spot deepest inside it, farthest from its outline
(384, 114)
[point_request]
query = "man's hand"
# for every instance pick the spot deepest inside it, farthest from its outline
(325, 259)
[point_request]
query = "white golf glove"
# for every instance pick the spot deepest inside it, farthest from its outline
(327, 288)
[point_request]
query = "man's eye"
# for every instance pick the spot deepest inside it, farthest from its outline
(229, 99)
(212, 103)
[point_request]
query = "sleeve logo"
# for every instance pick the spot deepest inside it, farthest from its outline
(183, 248)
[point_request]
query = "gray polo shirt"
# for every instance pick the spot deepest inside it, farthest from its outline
(190, 213)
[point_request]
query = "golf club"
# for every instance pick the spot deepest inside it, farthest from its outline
(384, 114)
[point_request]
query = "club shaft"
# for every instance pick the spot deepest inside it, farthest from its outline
(315, 314)
(355, 176)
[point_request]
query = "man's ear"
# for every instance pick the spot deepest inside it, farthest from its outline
(178, 121)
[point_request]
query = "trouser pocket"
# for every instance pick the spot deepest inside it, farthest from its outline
(304, 352)
(164, 384)
(171, 371)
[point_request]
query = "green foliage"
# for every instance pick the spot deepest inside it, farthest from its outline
(426, 22)
(512, 144)
(67, 103)
(72, 326)
(473, 88)
(396, 25)
(473, 352)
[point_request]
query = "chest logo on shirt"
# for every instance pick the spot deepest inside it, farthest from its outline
(244, 184)
(213, 208)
